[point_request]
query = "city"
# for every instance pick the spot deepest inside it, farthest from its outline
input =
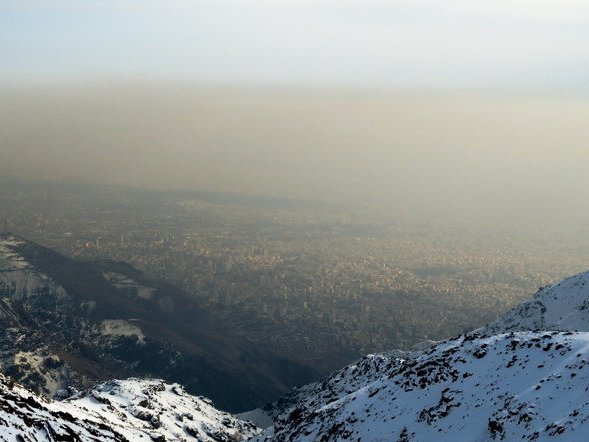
(316, 284)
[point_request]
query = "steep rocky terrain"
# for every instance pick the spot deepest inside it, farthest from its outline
(518, 386)
(70, 323)
(563, 306)
(523, 377)
(130, 410)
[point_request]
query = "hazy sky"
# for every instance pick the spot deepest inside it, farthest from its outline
(465, 154)
(421, 104)
(398, 43)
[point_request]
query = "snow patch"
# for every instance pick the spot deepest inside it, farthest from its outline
(121, 327)
(121, 281)
(10, 260)
(131, 410)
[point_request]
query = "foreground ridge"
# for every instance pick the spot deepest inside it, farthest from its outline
(518, 386)
(563, 306)
(128, 410)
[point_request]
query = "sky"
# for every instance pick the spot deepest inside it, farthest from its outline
(437, 156)
(455, 106)
(506, 44)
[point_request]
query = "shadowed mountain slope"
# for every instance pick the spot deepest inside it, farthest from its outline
(68, 322)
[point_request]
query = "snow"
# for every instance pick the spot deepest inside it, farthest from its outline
(121, 281)
(19, 280)
(342, 382)
(523, 377)
(121, 327)
(521, 386)
(564, 306)
(130, 410)
(136, 407)
(10, 260)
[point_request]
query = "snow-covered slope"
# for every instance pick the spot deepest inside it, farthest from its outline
(342, 382)
(19, 280)
(130, 410)
(523, 377)
(163, 411)
(563, 306)
(24, 354)
(519, 386)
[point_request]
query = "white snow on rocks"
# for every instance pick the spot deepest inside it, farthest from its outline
(528, 379)
(10, 260)
(563, 306)
(521, 386)
(19, 280)
(121, 327)
(163, 411)
(130, 410)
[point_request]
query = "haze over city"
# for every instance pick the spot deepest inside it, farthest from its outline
(408, 107)
(271, 220)
(491, 155)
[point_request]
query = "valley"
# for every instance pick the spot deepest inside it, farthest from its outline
(519, 377)
(68, 323)
(319, 284)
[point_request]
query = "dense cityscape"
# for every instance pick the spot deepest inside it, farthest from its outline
(317, 284)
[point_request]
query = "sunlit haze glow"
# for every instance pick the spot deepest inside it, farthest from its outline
(424, 107)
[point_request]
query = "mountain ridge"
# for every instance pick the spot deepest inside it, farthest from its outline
(69, 322)
(515, 386)
(522, 377)
(123, 411)
(563, 306)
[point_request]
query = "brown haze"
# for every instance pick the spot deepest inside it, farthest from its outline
(435, 154)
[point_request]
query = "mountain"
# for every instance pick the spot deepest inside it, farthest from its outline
(65, 322)
(340, 383)
(519, 386)
(130, 410)
(563, 306)
(523, 377)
